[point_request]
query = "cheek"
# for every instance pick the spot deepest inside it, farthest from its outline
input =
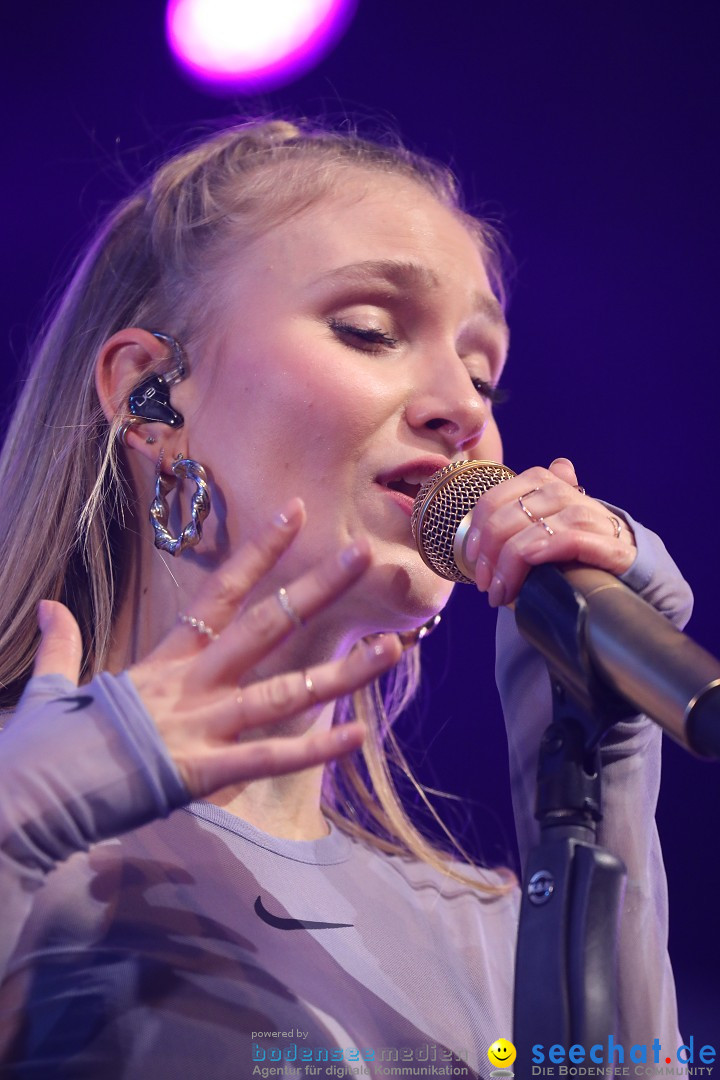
(490, 447)
(324, 403)
(289, 396)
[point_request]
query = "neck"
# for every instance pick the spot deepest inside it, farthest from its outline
(286, 806)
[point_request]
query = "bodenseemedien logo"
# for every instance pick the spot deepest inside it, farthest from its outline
(501, 1054)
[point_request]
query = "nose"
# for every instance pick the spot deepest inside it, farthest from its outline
(446, 401)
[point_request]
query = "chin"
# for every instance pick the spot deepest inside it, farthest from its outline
(403, 597)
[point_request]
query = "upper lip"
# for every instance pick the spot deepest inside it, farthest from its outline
(418, 470)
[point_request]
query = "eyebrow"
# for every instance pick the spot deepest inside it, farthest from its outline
(412, 275)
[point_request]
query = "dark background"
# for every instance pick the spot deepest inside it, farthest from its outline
(591, 129)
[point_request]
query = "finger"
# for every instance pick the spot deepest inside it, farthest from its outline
(564, 469)
(220, 598)
(581, 543)
(296, 692)
(525, 499)
(606, 553)
(60, 649)
(269, 757)
(256, 631)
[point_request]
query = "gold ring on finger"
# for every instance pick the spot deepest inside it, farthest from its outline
(546, 527)
(310, 687)
(616, 524)
(284, 601)
(523, 507)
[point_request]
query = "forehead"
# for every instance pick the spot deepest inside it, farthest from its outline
(369, 227)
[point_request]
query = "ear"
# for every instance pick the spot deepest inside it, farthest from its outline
(124, 361)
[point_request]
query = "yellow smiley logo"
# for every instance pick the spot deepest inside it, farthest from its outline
(501, 1053)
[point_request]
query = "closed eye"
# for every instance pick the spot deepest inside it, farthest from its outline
(360, 336)
(372, 339)
(494, 394)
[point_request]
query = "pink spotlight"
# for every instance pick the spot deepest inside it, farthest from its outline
(251, 45)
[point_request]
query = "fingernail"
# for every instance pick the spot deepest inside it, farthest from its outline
(351, 556)
(496, 592)
(472, 545)
(483, 573)
(287, 515)
(377, 646)
(341, 734)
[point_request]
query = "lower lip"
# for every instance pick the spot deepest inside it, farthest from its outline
(405, 502)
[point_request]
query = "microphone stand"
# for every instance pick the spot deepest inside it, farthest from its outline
(572, 887)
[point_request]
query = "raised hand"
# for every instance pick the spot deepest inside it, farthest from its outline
(191, 682)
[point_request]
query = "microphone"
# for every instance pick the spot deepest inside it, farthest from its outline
(633, 650)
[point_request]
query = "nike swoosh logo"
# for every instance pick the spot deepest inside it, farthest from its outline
(294, 924)
(80, 702)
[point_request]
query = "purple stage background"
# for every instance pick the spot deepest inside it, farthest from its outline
(591, 129)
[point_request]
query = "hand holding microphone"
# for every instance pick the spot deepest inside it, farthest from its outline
(541, 515)
(473, 509)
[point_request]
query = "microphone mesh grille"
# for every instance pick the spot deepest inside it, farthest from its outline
(441, 504)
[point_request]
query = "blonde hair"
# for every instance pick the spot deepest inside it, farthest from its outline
(62, 479)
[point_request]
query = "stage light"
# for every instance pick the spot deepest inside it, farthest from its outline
(251, 45)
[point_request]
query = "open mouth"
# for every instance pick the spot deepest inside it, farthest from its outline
(405, 481)
(404, 487)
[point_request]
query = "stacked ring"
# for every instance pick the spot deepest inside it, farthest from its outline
(198, 625)
(533, 517)
(523, 507)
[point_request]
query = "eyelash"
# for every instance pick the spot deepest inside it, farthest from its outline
(369, 335)
(494, 394)
(376, 339)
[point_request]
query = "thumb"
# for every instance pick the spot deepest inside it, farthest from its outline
(564, 469)
(60, 649)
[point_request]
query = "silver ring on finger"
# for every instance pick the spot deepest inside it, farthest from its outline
(523, 507)
(616, 524)
(310, 687)
(198, 625)
(546, 527)
(284, 601)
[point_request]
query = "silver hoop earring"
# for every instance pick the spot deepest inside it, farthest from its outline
(184, 469)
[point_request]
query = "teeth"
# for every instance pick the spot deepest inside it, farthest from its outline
(414, 479)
